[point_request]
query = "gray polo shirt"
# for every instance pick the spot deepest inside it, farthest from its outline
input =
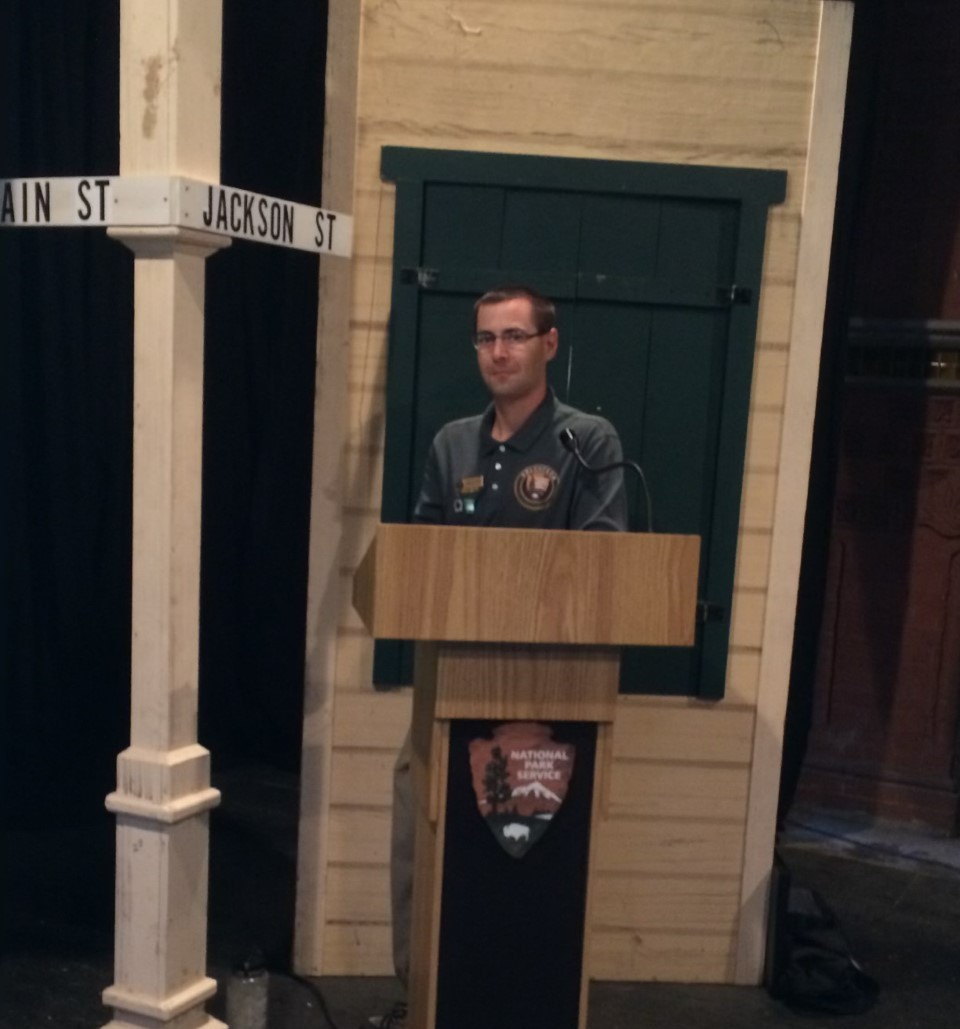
(528, 481)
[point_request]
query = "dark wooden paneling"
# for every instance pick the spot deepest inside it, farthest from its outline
(888, 679)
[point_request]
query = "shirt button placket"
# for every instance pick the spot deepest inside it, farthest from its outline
(497, 467)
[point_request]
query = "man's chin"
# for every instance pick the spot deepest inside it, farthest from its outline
(502, 388)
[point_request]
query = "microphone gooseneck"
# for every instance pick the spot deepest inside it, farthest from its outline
(570, 443)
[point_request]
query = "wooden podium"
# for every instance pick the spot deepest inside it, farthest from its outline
(513, 625)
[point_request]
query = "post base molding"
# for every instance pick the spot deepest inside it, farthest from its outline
(169, 1007)
(207, 1022)
(163, 786)
(180, 1010)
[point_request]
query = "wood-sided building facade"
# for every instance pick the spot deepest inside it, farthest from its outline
(684, 857)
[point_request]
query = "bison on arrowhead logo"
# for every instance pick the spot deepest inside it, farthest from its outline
(520, 778)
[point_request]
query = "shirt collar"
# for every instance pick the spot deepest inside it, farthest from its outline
(528, 433)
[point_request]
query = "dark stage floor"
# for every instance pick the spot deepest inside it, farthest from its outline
(897, 896)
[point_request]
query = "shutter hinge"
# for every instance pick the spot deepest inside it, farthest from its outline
(425, 278)
(709, 612)
(734, 294)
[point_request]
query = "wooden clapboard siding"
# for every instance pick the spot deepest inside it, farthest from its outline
(359, 835)
(358, 894)
(689, 81)
(743, 676)
(763, 439)
(372, 281)
(756, 504)
(773, 320)
(769, 378)
(753, 560)
(783, 240)
(746, 617)
(355, 935)
(372, 720)
(669, 902)
(597, 38)
(682, 729)
(668, 863)
(689, 957)
(694, 790)
(354, 661)
(670, 846)
(355, 948)
(361, 776)
(374, 235)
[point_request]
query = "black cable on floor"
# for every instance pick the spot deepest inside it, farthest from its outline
(313, 989)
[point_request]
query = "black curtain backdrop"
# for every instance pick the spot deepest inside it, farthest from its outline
(66, 317)
(258, 418)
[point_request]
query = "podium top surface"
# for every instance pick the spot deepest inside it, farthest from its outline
(440, 582)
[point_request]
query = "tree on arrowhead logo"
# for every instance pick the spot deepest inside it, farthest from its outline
(520, 778)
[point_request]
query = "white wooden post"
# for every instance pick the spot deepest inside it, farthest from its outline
(169, 125)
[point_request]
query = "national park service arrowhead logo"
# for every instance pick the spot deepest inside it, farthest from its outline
(520, 778)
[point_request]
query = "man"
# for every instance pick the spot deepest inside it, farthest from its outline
(505, 467)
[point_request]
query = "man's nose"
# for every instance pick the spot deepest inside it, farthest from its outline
(499, 348)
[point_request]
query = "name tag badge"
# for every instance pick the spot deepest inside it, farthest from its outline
(470, 485)
(469, 488)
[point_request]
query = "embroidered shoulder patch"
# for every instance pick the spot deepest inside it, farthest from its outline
(536, 487)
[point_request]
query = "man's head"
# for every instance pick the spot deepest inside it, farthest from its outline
(542, 308)
(514, 366)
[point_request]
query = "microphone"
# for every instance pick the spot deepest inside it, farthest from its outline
(570, 443)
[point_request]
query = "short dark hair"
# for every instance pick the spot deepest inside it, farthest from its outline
(543, 309)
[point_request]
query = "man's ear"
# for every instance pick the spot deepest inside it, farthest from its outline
(552, 339)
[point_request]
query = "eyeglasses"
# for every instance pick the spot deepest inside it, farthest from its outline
(510, 337)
